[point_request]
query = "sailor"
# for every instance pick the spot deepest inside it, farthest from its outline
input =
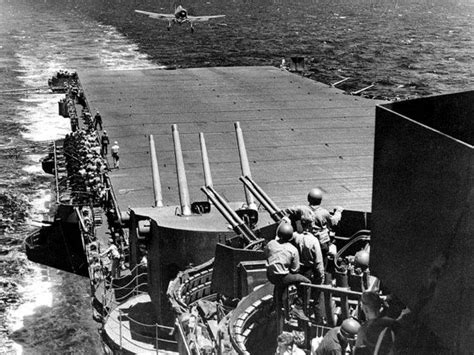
(311, 265)
(361, 267)
(81, 99)
(337, 339)
(86, 219)
(143, 253)
(144, 261)
(317, 220)
(113, 254)
(115, 150)
(104, 141)
(189, 325)
(88, 122)
(311, 259)
(376, 335)
(74, 91)
(283, 264)
(97, 120)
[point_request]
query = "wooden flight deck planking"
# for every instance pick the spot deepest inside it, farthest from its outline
(298, 133)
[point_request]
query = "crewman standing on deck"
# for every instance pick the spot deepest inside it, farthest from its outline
(113, 254)
(311, 265)
(115, 156)
(317, 220)
(97, 120)
(104, 141)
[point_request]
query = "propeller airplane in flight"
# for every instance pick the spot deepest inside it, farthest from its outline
(179, 17)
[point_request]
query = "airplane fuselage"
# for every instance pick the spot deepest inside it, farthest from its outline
(181, 15)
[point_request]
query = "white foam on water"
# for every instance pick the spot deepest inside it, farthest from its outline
(40, 204)
(40, 61)
(38, 111)
(35, 168)
(36, 292)
(118, 53)
(41, 118)
(36, 286)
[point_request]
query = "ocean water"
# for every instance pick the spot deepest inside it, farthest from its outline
(43, 310)
(406, 48)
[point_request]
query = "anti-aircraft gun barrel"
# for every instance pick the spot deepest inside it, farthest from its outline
(238, 225)
(260, 198)
(221, 209)
(275, 212)
(248, 232)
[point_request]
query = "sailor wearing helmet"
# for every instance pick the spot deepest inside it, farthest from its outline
(337, 340)
(316, 220)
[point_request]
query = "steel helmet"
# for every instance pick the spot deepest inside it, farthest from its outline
(362, 258)
(349, 328)
(371, 300)
(285, 231)
(315, 196)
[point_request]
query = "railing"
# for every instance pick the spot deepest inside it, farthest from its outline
(250, 309)
(345, 298)
(56, 175)
(113, 197)
(135, 291)
(149, 333)
(153, 328)
(183, 346)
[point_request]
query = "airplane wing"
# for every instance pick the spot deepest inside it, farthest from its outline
(203, 18)
(157, 16)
